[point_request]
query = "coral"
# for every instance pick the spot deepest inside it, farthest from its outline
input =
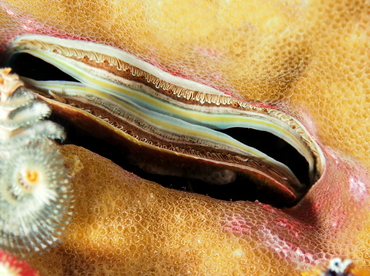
(125, 225)
(308, 58)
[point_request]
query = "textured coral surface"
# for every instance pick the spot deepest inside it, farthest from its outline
(311, 55)
(127, 226)
(309, 58)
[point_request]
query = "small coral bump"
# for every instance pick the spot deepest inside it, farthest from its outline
(36, 199)
(11, 266)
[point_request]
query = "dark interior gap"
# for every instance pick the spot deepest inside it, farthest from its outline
(242, 189)
(28, 66)
(274, 147)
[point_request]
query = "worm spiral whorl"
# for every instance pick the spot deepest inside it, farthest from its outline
(36, 199)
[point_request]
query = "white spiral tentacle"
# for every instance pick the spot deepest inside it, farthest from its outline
(36, 199)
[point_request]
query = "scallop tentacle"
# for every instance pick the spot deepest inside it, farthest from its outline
(36, 199)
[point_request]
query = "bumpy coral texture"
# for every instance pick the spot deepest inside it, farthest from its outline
(309, 58)
(310, 55)
(127, 226)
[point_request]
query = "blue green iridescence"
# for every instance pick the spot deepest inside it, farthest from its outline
(160, 123)
(169, 117)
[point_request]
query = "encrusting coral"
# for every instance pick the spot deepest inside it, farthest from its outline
(307, 58)
(124, 222)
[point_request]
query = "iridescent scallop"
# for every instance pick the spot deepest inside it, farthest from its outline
(170, 125)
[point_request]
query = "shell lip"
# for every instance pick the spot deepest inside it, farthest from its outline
(79, 125)
(306, 144)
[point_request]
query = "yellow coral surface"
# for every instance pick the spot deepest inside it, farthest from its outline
(311, 55)
(309, 58)
(124, 225)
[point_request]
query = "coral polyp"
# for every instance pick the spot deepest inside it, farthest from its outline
(36, 200)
